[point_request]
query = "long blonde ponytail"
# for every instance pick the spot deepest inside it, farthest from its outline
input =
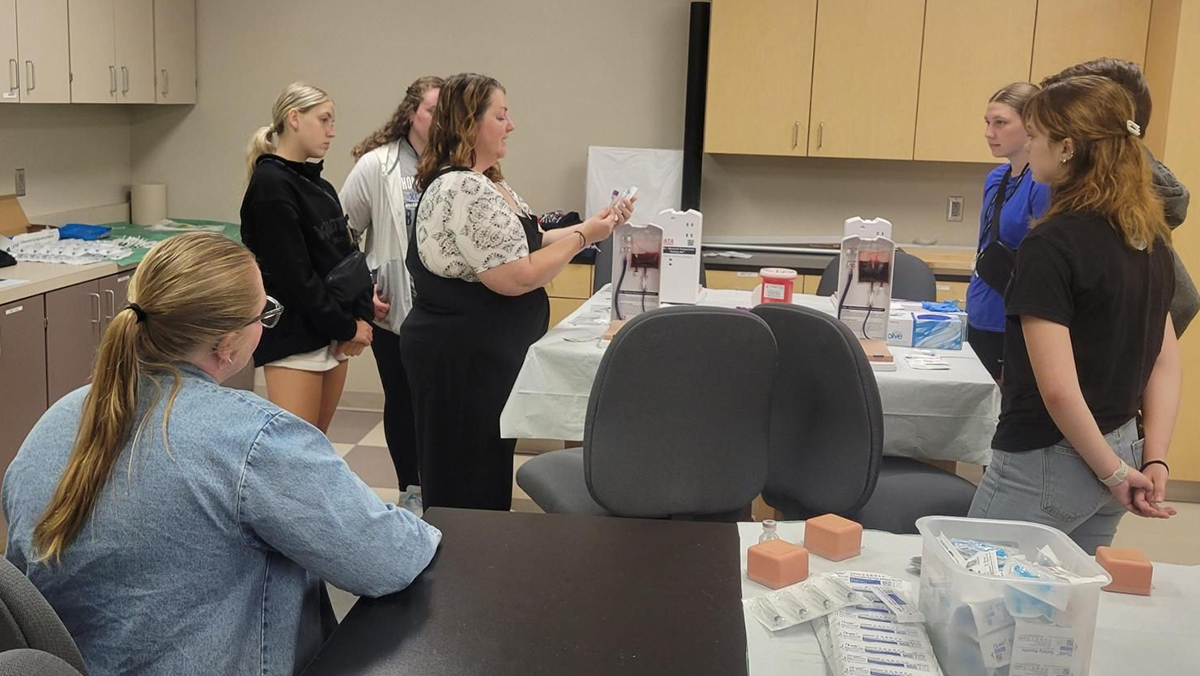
(297, 96)
(193, 290)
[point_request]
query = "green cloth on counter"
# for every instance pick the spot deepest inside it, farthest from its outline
(231, 230)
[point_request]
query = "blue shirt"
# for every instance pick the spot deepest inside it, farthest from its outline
(1027, 201)
(205, 557)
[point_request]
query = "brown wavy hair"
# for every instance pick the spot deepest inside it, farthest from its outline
(1108, 173)
(1125, 73)
(194, 289)
(401, 122)
(462, 102)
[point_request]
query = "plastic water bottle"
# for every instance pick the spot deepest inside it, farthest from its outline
(769, 532)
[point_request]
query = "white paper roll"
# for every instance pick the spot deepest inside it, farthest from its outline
(148, 203)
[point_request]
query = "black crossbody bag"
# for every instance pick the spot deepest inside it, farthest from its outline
(996, 260)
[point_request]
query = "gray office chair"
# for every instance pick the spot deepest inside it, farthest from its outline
(28, 624)
(827, 434)
(911, 280)
(29, 662)
(677, 422)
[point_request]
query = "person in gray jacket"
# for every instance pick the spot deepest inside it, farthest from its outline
(380, 197)
(1174, 195)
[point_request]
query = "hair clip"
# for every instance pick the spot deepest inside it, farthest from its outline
(1133, 127)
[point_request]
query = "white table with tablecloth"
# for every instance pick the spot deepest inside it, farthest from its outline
(1157, 634)
(945, 415)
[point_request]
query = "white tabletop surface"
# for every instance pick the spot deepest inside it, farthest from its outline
(1156, 635)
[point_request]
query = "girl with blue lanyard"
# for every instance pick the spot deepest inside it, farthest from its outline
(1011, 199)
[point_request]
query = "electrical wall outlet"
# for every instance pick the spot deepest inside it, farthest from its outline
(19, 183)
(954, 208)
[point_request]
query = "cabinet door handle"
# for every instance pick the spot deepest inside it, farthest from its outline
(125, 76)
(112, 305)
(166, 82)
(820, 135)
(795, 134)
(14, 75)
(112, 76)
(96, 314)
(30, 76)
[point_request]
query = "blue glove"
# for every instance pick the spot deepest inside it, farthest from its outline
(945, 306)
(83, 231)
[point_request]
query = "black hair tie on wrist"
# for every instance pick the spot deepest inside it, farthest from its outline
(137, 310)
(1155, 462)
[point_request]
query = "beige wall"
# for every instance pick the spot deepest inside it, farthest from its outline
(593, 73)
(74, 156)
(783, 198)
(578, 73)
(1183, 156)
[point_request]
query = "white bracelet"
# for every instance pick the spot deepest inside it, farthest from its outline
(1118, 476)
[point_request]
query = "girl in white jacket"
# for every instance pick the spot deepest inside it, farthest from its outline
(380, 197)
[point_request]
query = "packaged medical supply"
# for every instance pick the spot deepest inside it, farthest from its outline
(925, 329)
(995, 594)
(900, 605)
(867, 638)
(800, 603)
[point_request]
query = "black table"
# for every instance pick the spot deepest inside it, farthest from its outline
(548, 594)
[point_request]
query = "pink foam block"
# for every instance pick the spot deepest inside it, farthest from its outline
(833, 537)
(776, 563)
(1130, 569)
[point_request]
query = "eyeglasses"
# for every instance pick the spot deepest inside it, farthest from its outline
(270, 314)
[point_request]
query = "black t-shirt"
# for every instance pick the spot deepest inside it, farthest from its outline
(1076, 270)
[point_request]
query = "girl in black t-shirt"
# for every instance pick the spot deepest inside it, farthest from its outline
(1086, 343)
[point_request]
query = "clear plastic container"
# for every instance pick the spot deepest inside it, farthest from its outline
(1053, 623)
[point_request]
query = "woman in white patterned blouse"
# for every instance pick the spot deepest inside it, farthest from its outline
(479, 262)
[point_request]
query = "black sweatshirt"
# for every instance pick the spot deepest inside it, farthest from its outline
(294, 224)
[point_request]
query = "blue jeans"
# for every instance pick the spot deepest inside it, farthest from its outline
(1055, 487)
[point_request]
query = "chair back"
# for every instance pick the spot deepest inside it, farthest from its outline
(28, 621)
(679, 414)
(826, 418)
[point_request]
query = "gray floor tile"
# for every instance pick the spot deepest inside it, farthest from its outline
(373, 465)
(350, 427)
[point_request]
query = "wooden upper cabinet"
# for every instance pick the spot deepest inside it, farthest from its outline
(760, 63)
(175, 51)
(94, 76)
(867, 66)
(1073, 31)
(44, 51)
(134, 33)
(10, 82)
(960, 35)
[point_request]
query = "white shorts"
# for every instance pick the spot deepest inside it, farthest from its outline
(320, 360)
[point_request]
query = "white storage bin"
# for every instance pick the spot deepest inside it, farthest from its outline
(998, 626)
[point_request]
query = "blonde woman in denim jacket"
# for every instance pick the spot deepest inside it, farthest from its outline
(179, 527)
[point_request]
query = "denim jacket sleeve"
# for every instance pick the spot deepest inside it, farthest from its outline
(298, 497)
